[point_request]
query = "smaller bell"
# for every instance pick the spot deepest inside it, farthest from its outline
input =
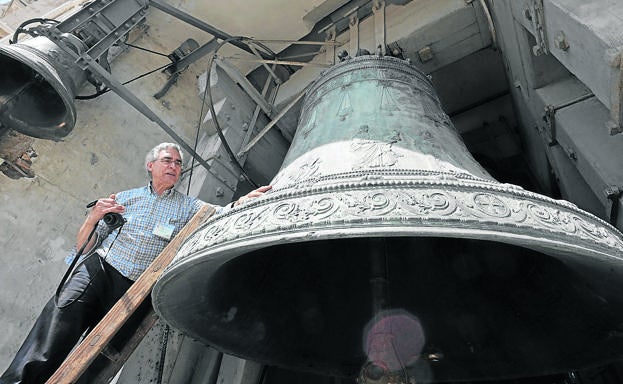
(38, 83)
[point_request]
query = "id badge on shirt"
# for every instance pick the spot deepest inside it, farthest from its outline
(164, 231)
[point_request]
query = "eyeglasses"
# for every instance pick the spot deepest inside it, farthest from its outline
(169, 161)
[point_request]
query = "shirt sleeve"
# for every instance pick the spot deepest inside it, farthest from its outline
(100, 233)
(219, 209)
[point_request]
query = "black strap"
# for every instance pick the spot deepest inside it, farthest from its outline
(72, 265)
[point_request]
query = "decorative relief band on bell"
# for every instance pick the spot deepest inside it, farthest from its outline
(308, 176)
(383, 205)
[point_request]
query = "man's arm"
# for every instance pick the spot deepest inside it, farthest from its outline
(102, 207)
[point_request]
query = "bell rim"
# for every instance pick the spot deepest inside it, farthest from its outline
(201, 245)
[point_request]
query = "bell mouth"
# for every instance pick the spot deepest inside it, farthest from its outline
(34, 100)
(474, 309)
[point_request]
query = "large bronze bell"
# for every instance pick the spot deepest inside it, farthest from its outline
(385, 249)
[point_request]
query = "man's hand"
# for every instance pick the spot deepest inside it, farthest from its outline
(253, 194)
(101, 207)
(104, 206)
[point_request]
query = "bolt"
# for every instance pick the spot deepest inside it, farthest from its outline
(613, 127)
(426, 54)
(560, 41)
(537, 50)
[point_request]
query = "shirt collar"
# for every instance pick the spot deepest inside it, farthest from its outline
(167, 192)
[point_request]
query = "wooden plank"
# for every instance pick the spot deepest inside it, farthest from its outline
(118, 359)
(84, 354)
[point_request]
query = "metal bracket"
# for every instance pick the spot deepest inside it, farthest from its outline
(380, 36)
(549, 117)
(538, 22)
(615, 125)
(614, 195)
(185, 49)
(353, 28)
(331, 34)
(100, 21)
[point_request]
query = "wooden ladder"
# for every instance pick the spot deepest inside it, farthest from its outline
(96, 341)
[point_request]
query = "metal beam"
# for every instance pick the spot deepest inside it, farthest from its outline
(195, 22)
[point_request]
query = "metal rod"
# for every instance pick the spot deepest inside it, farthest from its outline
(279, 62)
(298, 42)
(236, 76)
(242, 155)
(271, 124)
(268, 69)
(300, 55)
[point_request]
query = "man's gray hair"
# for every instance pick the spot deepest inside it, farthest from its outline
(152, 155)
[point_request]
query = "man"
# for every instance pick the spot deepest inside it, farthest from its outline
(154, 214)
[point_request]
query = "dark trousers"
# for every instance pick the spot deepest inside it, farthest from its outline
(87, 296)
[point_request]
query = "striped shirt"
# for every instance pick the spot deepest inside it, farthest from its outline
(131, 249)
